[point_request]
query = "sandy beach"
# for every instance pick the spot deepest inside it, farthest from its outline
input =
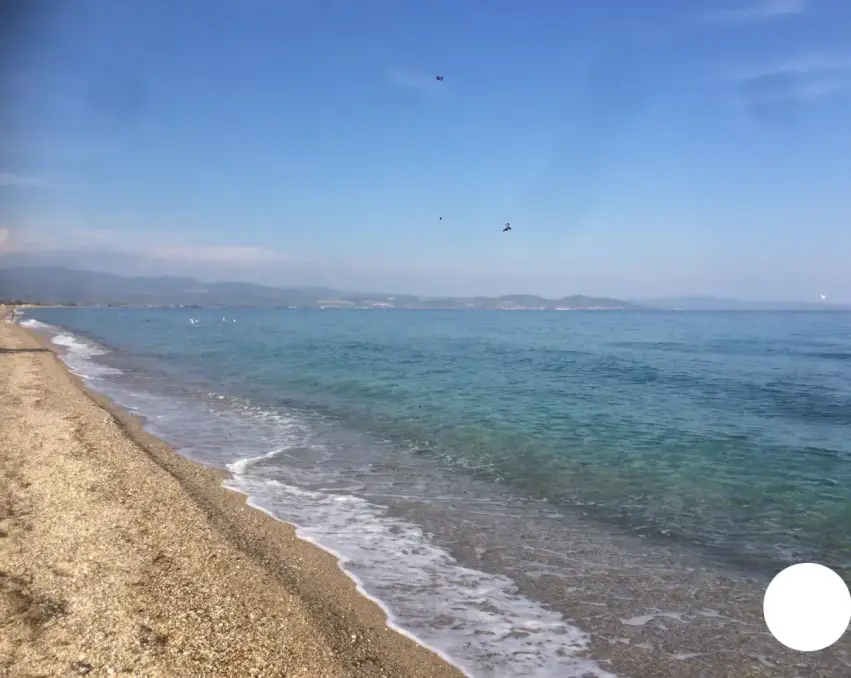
(120, 557)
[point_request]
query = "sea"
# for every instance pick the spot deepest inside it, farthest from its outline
(528, 493)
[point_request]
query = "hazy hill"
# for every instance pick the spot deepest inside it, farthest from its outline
(62, 285)
(706, 303)
(59, 285)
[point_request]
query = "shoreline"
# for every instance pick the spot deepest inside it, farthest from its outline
(345, 633)
(640, 621)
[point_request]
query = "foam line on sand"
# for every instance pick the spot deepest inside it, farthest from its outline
(118, 556)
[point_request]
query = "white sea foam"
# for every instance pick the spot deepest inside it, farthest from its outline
(34, 324)
(479, 622)
(78, 346)
(242, 465)
(79, 354)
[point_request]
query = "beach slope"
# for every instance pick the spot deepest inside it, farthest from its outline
(120, 557)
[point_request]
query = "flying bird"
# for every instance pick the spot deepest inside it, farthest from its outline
(507, 228)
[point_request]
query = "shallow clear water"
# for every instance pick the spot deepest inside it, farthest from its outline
(504, 445)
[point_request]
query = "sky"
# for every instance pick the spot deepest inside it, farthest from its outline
(639, 149)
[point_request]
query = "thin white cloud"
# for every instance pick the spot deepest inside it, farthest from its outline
(15, 180)
(36, 237)
(803, 78)
(815, 64)
(227, 255)
(820, 63)
(28, 148)
(132, 251)
(822, 88)
(757, 11)
(416, 82)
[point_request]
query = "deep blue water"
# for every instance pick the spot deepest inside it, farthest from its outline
(726, 434)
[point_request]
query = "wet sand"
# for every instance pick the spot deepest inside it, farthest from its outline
(120, 557)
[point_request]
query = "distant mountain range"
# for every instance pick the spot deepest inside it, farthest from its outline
(704, 303)
(59, 285)
(65, 286)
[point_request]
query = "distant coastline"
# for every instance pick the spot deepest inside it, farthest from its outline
(55, 286)
(58, 286)
(321, 307)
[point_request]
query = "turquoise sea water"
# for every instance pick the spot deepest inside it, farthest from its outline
(501, 440)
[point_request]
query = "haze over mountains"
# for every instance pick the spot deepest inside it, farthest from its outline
(705, 303)
(60, 285)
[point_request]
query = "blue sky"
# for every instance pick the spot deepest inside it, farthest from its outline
(638, 148)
